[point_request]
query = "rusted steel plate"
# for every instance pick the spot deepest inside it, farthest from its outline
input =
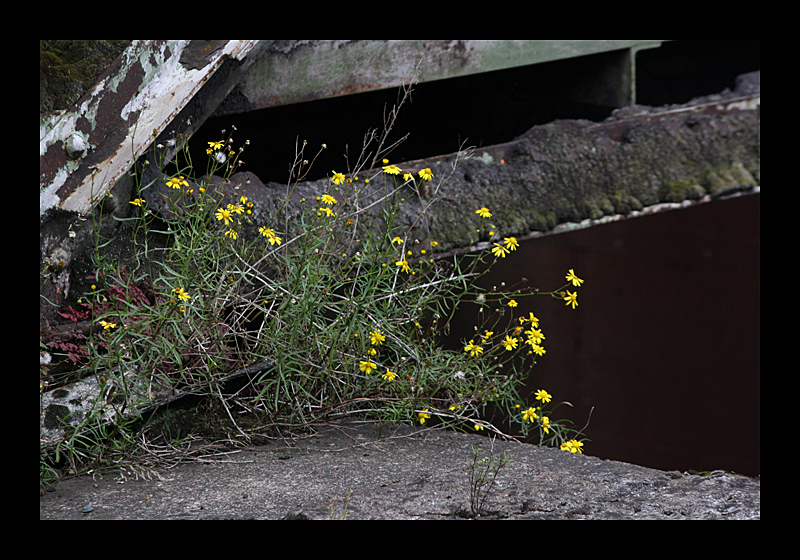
(86, 149)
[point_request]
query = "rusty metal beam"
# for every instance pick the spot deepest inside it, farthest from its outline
(84, 150)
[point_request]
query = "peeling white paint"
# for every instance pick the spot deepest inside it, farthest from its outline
(166, 88)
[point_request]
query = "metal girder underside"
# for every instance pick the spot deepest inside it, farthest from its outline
(156, 87)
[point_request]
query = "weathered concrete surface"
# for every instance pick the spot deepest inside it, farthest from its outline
(565, 172)
(409, 473)
(558, 173)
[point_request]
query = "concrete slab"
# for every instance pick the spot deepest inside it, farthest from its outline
(346, 471)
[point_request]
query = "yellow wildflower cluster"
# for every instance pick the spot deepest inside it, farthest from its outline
(216, 150)
(533, 338)
(573, 446)
(376, 338)
(572, 298)
(531, 414)
(425, 174)
(244, 206)
(534, 415)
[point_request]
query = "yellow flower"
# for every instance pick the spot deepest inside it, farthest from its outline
(376, 337)
(423, 416)
(367, 366)
(571, 299)
(392, 169)
(327, 211)
(389, 375)
(483, 212)
(573, 446)
(137, 201)
(270, 235)
(182, 295)
(397, 240)
(232, 234)
(539, 349)
(546, 424)
(223, 214)
(533, 320)
(574, 279)
(236, 208)
(328, 199)
(403, 266)
(544, 396)
(509, 343)
(338, 178)
(478, 427)
(511, 243)
(426, 173)
(106, 325)
(529, 415)
(407, 176)
(499, 250)
(213, 146)
(473, 349)
(513, 303)
(535, 336)
(177, 182)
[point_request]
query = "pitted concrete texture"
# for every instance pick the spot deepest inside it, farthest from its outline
(345, 471)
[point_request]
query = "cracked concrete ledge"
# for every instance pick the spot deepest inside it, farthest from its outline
(407, 473)
(560, 173)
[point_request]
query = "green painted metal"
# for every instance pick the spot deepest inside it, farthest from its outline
(296, 71)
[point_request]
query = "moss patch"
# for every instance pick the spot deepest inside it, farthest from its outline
(68, 68)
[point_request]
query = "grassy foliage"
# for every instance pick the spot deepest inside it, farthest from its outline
(349, 321)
